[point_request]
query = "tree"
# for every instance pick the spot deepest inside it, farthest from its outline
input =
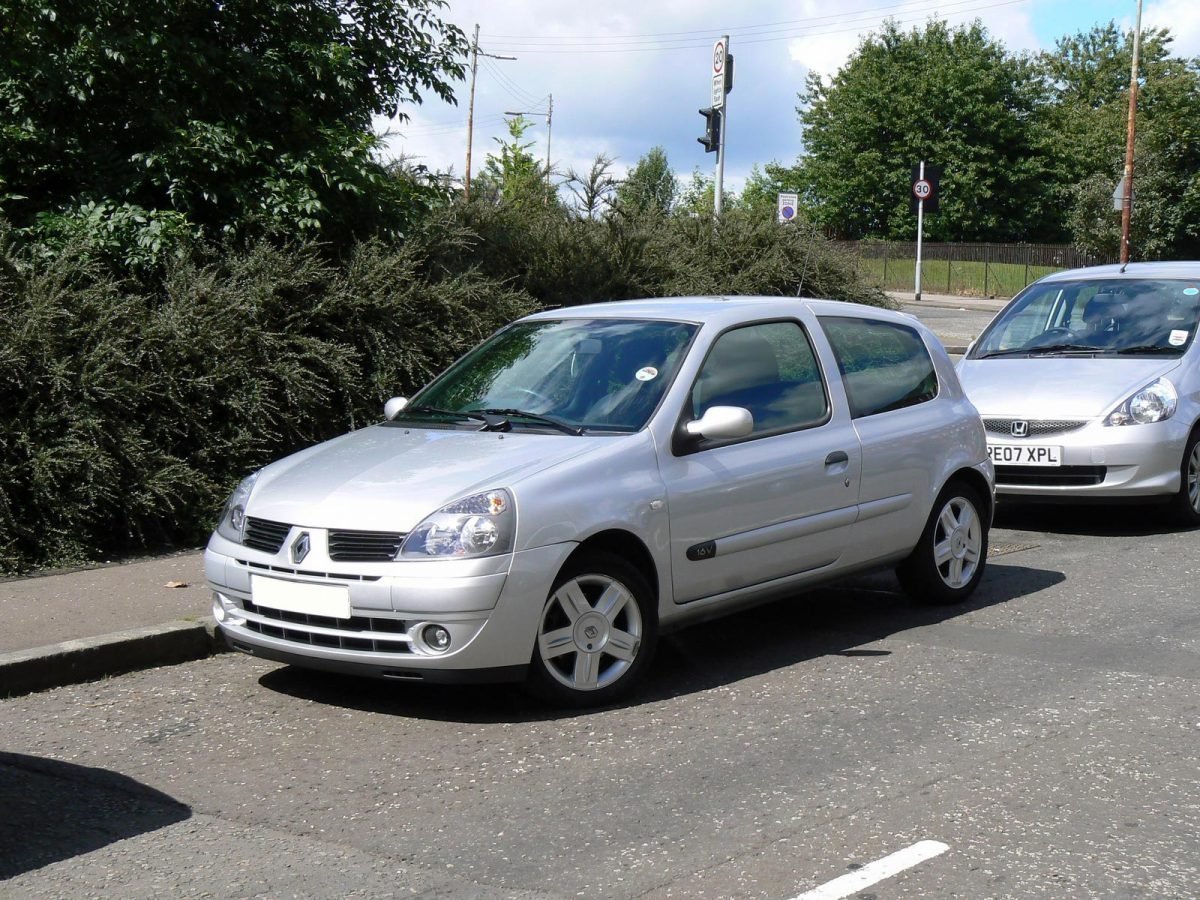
(760, 193)
(1088, 76)
(951, 97)
(229, 117)
(594, 189)
(516, 176)
(650, 185)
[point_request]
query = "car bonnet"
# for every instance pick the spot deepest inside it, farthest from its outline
(389, 478)
(1056, 387)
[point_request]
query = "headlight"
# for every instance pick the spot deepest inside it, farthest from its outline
(233, 516)
(479, 525)
(1153, 403)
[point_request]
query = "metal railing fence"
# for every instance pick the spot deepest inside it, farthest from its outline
(982, 270)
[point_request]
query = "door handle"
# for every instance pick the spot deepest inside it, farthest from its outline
(837, 456)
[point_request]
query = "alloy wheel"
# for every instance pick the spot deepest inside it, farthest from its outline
(590, 633)
(957, 542)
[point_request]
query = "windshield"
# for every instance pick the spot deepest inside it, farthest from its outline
(590, 374)
(1119, 317)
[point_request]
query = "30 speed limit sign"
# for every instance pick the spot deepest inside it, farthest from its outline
(922, 189)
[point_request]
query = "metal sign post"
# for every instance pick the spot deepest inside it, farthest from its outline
(720, 90)
(920, 191)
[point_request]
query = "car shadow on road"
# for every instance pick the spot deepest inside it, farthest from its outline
(54, 811)
(835, 620)
(1099, 520)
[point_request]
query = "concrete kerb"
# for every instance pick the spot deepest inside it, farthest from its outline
(91, 659)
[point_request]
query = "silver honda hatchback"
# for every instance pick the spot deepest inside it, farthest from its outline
(587, 478)
(1089, 386)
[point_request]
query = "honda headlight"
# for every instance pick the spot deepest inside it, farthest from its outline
(1153, 403)
(479, 525)
(233, 516)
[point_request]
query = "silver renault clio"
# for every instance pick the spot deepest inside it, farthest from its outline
(589, 477)
(1089, 386)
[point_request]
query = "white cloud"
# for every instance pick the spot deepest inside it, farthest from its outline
(624, 103)
(1182, 17)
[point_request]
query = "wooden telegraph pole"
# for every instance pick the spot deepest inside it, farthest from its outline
(475, 54)
(1127, 200)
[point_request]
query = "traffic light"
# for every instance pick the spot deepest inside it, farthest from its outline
(712, 130)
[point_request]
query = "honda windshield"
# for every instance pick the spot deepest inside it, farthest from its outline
(1126, 317)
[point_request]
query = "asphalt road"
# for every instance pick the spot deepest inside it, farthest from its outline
(956, 327)
(1046, 734)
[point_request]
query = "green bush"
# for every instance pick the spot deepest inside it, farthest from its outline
(128, 411)
(564, 260)
(132, 399)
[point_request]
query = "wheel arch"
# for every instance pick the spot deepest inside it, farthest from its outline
(627, 546)
(975, 479)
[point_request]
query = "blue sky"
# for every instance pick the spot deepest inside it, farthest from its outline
(628, 75)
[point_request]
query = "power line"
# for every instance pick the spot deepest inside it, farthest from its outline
(437, 128)
(601, 45)
(708, 31)
(510, 87)
(737, 29)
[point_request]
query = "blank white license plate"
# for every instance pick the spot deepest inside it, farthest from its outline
(331, 600)
(1025, 454)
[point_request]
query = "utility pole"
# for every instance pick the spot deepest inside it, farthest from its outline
(549, 116)
(475, 54)
(1127, 200)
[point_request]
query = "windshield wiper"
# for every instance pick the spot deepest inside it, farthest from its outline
(557, 424)
(1064, 348)
(1147, 348)
(490, 422)
(1016, 351)
(1042, 350)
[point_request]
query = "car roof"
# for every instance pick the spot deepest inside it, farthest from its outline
(717, 310)
(1183, 269)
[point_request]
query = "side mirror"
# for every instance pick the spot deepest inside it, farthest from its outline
(722, 423)
(394, 407)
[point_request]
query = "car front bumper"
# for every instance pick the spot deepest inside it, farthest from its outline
(490, 607)
(1101, 462)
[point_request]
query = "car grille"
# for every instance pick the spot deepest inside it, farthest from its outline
(364, 546)
(344, 546)
(1049, 476)
(1037, 427)
(363, 633)
(264, 535)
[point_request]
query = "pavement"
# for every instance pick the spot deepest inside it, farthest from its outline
(70, 626)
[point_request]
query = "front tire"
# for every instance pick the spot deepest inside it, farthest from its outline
(948, 561)
(1185, 506)
(596, 634)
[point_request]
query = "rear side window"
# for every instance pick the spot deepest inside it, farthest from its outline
(884, 365)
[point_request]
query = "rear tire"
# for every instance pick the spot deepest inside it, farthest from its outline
(949, 559)
(596, 634)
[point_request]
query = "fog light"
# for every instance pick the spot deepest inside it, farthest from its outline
(436, 638)
(225, 611)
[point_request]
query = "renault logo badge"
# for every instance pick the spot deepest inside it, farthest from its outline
(300, 547)
(1020, 429)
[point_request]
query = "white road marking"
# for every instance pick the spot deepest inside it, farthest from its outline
(876, 871)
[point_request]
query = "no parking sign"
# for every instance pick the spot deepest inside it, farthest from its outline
(786, 206)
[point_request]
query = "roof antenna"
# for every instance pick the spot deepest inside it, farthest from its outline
(1123, 265)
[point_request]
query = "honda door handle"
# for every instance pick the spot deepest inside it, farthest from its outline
(837, 456)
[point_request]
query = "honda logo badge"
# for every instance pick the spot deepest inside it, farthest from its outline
(1020, 429)
(300, 547)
